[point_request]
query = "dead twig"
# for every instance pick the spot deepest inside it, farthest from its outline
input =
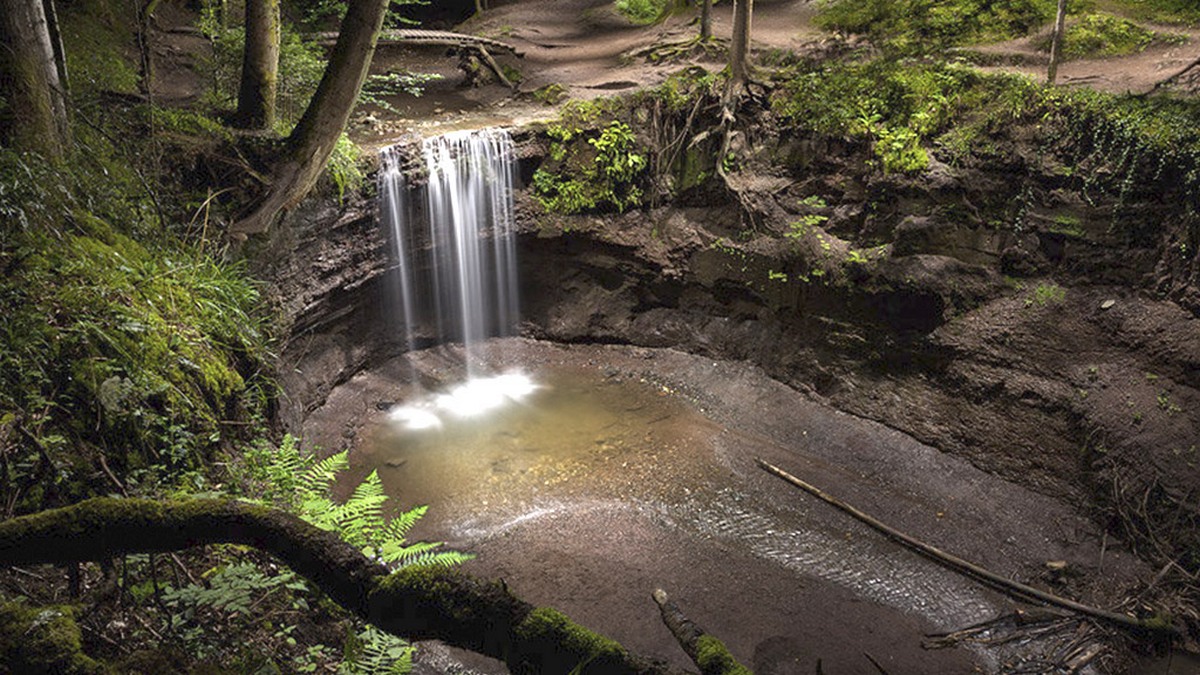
(995, 581)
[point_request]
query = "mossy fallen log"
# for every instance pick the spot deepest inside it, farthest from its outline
(416, 603)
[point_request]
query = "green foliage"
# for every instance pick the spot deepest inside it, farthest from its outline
(642, 11)
(330, 11)
(345, 167)
(1163, 11)
(303, 484)
(581, 178)
(1104, 142)
(1046, 294)
(150, 351)
(1103, 34)
(897, 106)
(97, 36)
(920, 26)
(301, 65)
(378, 87)
(900, 150)
(550, 94)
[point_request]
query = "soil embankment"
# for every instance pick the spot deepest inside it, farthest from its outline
(1006, 317)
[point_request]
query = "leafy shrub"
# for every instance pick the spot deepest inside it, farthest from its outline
(642, 11)
(1164, 11)
(582, 179)
(344, 167)
(913, 26)
(1103, 35)
(153, 352)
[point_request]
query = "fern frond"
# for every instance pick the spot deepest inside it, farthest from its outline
(397, 528)
(436, 558)
(319, 477)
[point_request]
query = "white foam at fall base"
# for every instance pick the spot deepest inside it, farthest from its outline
(475, 397)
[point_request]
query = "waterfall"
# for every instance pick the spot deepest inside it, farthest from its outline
(455, 248)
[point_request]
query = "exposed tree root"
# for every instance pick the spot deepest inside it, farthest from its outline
(676, 50)
(417, 603)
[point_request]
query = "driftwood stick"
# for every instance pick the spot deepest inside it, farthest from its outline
(1007, 586)
(708, 653)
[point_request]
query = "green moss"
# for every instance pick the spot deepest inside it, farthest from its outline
(563, 644)
(149, 350)
(714, 658)
(99, 42)
(41, 640)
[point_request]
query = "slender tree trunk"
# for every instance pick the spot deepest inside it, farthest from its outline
(145, 49)
(260, 66)
(36, 118)
(706, 20)
(56, 43)
(312, 141)
(1060, 21)
(739, 49)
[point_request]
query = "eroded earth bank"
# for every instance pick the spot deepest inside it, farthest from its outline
(996, 354)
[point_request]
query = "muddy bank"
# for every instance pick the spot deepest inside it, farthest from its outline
(593, 527)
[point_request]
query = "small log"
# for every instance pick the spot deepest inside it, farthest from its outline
(708, 653)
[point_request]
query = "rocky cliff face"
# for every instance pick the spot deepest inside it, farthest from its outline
(1002, 308)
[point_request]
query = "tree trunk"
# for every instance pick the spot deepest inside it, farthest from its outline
(312, 141)
(706, 20)
(739, 49)
(36, 115)
(56, 43)
(260, 66)
(417, 603)
(1060, 21)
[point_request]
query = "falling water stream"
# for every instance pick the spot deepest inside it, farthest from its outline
(456, 256)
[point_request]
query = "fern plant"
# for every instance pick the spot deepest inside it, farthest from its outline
(303, 484)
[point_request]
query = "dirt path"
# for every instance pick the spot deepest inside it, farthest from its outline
(585, 47)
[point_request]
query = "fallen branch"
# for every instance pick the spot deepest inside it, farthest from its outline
(417, 603)
(1153, 626)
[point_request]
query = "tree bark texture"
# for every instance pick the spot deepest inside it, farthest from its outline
(36, 116)
(312, 141)
(706, 19)
(739, 49)
(260, 66)
(417, 603)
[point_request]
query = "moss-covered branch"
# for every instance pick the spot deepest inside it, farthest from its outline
(417, 603)
(709, 654)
